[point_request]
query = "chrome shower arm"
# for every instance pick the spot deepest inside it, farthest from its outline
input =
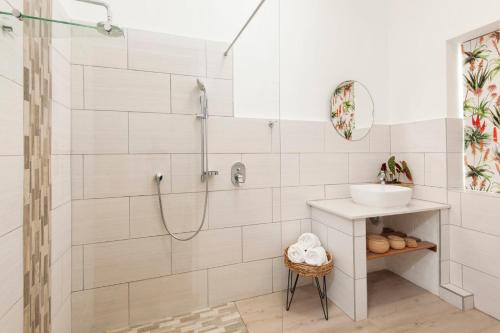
(102, 4)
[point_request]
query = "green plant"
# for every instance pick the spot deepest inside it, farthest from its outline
(393, 170)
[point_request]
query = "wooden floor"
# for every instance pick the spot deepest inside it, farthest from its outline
(394, 305)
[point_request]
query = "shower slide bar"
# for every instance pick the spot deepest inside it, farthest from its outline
(244, 27)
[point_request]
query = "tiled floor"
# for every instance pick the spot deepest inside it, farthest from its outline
(394, 305)
(221, 319)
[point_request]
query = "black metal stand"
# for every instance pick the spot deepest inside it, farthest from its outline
(292, 285)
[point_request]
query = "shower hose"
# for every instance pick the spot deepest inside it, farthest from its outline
(159, 178)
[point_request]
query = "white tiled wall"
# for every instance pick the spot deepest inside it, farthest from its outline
(61, 233)
(134, 118)
(470, 232)
(11, 169)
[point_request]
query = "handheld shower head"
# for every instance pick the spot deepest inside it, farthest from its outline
(201, 85)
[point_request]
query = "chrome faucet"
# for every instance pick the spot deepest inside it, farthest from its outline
(381, 177)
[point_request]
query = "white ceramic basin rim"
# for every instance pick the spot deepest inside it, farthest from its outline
(379, 195)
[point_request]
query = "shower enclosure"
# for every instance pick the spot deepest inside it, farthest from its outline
(141, 131)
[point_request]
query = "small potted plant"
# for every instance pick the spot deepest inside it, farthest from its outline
(392, 172)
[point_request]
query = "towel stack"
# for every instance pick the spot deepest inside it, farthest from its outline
(307, 250)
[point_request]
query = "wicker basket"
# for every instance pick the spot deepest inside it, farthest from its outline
(308, 270)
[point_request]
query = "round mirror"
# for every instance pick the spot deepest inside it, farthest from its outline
(352, 110)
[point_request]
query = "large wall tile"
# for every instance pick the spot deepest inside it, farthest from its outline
(12, 321)
(99, 132)
(429, 193)
(60, 231)
(61, 179)
(61, 129)
(159, 52)
(61, 322)
(77, 87)
(96, 310)
(364, 168)
(238, 135)
(11, 195)
(342, 246)
(211, 248)
(61, 79)
(419, 137)
(125, 261)
(11, 49)
(126, 90)
(455, 213)
(231, 283)
(167, 296)
(481, 212)
(76, 177)
(290, 232)
(60, 283)
(302, 136)
(218, 65)
(337, 191)
(100, 220)
(290, 169)
(186, 95)
(124, 175)
(183, 213)
(11, 274)
(416, 163)
(94, 49)
(294, 201)
(454, 135)
(11, 117)
(323, 168)
(262, 170)
(334, 143)
(77, 268)
(241, 207)
(186, 172)
(456, 173)
(220, 97)
(221, 163)
(475, 249)
(435, 169)
(261, 241)
(380, 139)
(160, 133)
(486, 290)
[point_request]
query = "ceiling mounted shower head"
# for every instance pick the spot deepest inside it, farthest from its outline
(106, 27)
(201, 85)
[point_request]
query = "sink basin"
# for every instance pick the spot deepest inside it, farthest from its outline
(382, 196)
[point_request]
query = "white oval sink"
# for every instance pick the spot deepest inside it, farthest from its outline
(382, 196)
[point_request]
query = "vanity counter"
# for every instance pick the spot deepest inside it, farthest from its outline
(348, 209)
(341, 226)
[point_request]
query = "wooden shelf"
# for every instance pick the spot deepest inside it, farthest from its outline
(391, 252)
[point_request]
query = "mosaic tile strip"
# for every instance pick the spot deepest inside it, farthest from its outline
(221, 319)
(37, 190)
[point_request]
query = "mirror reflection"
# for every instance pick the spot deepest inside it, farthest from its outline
(351, 110)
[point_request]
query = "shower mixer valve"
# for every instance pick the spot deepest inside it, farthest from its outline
(238, 173)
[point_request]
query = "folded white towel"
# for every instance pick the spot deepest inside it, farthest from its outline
(316, 256)
(296, 254)
(308, 241)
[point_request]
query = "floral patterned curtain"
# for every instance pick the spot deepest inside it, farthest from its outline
(481, 60)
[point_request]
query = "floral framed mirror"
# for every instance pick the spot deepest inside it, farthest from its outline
(352, 110)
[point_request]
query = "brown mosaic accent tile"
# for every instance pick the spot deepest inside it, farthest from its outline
(37, 150)
(221, 319)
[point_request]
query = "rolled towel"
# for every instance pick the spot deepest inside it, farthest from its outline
(308, 241)
(296, 254)
(316, 256)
